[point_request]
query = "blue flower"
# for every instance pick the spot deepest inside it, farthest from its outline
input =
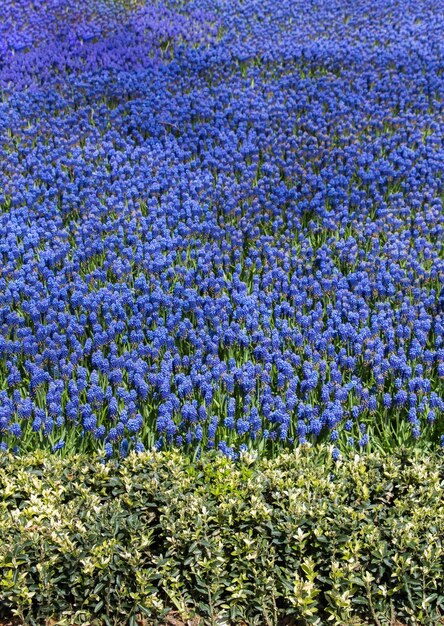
(15, 430)
(123, 448)
(363, 441)
(441, 300)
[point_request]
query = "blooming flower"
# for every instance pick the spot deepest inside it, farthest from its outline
(250, 255)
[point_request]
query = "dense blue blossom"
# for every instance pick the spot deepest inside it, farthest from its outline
(221, 224)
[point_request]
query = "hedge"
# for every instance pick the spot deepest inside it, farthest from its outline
(300, 537)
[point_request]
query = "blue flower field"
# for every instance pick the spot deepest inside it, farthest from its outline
(221, 225)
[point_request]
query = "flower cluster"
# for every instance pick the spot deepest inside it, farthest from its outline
(48, 42)
(221, 224)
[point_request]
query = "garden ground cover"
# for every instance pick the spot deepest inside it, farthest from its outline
(221, 225)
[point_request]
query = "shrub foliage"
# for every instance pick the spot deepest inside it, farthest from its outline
(299, 536)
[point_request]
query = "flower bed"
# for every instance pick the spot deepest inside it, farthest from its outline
(221, 226)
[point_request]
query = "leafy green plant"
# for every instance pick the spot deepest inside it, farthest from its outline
(298, 537)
